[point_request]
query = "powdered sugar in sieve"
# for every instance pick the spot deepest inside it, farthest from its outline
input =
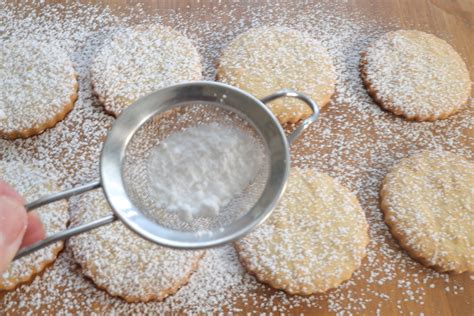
(196, 167)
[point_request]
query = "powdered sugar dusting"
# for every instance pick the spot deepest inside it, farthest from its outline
(428, 201)
(266, 59)
(32, 184)
(141, 271)
(38, 83)
(416, 74)
(353, 140)
(140, 60)
(314, 240)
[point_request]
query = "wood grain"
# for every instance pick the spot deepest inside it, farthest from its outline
(449, 19)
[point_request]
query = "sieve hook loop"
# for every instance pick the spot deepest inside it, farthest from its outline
(293, 94)
(63, 235)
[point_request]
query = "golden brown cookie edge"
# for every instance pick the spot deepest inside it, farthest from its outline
(50, 123)
(400, 238)
(388, 105)
(269, 279)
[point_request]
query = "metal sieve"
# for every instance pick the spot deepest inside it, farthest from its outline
(126, 143)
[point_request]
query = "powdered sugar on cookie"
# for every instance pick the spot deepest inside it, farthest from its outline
(39, 86)
(266, 59)
(32, 184)
(313, 241)
(125, 264)
(140, 60)
(428, 201)
(416, 75)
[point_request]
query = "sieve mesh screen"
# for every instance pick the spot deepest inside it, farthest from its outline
(141, 181)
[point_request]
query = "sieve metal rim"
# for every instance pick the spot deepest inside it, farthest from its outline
(112, 183)
(125, 127)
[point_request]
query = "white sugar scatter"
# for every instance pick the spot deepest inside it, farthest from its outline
(416, 74)
(38, 84)
(140, 60)
(353, 140)
(32, 184)
(197, 171)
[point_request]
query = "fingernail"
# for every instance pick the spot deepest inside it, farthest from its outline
(13, 221)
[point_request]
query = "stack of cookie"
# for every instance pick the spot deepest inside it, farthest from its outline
(318, 234)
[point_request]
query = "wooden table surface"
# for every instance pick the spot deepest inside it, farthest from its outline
(450, 18)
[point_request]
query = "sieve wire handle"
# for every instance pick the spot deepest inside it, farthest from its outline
(62, 195)
(293, 94)
(65, 234)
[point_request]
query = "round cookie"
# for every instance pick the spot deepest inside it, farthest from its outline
(313, 241)
(124, 264)
(140, 60)
(39, 87)
(415, 75)
(32, 184)
(266, 59)
(428, 202)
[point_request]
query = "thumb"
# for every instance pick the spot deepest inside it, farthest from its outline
(13, 223)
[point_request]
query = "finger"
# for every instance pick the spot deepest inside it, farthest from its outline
(34, 230)
(8, 191)
(13, 221)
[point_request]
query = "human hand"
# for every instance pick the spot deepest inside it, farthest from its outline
(17, 227)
